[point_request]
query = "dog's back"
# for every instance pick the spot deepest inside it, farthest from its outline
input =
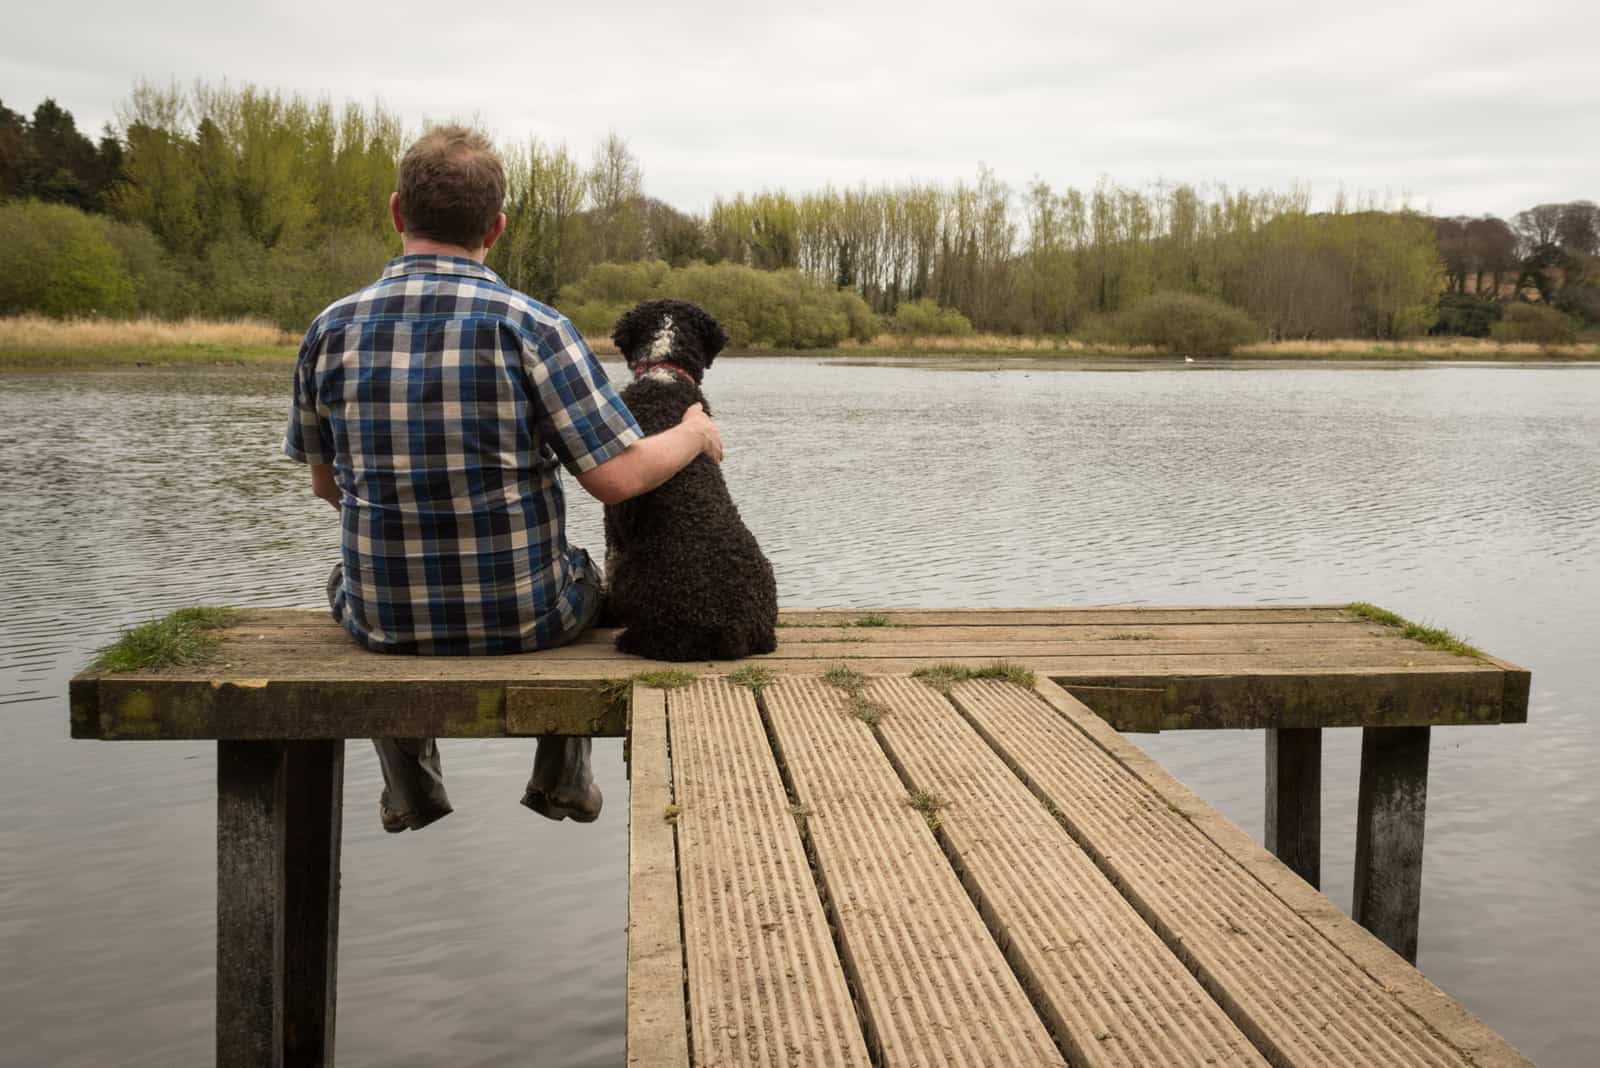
(687, 579)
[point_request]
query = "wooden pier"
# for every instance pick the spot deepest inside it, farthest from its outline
(846, 862)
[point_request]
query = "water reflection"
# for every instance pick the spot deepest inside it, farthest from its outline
(1466, 496)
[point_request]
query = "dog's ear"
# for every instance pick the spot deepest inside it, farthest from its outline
(712, 337)
(635, 327)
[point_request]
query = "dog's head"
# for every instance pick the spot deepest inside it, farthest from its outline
(669, 331)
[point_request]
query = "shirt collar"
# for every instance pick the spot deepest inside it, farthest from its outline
(432, 264)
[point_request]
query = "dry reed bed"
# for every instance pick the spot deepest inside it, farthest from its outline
(31, 331)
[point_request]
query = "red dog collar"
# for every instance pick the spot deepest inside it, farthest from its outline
(662, 365)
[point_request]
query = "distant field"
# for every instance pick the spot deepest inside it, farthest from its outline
(35, 342)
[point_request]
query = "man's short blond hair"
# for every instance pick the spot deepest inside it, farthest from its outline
(451, 186)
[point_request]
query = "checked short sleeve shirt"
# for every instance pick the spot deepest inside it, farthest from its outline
(447, 403)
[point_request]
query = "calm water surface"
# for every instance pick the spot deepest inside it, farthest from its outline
(1465, 496)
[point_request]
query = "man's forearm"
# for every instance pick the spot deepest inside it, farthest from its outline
(644, 465)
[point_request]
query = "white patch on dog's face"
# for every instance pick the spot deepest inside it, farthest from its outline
(661, 345)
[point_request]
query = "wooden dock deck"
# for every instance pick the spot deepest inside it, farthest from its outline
(836, 862)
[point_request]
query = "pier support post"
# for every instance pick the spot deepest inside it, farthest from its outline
(278, 832)
(1390, 815)
(1294, 799)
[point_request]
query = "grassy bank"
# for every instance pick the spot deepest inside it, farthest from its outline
(35, 342)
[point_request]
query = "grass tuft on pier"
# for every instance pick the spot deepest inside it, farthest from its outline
(664, 678)
(944, 676)
(753, 677)
(1433, 637)
(928, 804)
(184, 637)
(844, 678)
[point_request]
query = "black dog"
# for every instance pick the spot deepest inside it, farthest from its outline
(687, 579)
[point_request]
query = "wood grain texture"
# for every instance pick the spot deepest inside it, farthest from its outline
(658, 1034)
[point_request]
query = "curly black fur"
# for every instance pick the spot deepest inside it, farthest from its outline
(687, 579)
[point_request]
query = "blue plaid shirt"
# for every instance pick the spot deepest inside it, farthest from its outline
(445, 401)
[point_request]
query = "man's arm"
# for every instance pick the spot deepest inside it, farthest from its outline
(323, 486)
(649, 462)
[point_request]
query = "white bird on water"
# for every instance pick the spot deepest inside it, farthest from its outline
(1188, 359)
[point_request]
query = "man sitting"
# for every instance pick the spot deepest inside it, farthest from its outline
(435, 408)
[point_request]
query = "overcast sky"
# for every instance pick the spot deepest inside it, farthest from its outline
(1461, 107)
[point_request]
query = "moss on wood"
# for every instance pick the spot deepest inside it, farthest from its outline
(1433, 637)
(944, 676)
(753, 677)
(184, 637)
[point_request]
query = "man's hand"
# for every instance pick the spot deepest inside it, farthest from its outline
(696, 419)
(646, 464)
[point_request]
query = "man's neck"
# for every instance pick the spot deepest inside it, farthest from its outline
(422, 246)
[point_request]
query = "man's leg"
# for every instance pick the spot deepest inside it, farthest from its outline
(413, 778)
(562, 784)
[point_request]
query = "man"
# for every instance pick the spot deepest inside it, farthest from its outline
(434, 407)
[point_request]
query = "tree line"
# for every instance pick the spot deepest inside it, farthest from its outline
(245, 201)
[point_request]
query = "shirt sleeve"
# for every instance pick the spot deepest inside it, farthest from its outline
(309, 438)
(579, 415)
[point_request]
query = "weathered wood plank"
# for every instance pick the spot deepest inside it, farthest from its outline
(314, 802)
(1355, 630)
(417, 699)
(1391, 811)
(1437, 1010)
(934, 987)
(657, 1028)
(251, 811)
(1007, 617)
(765, 982)
(1294, 799)
(1372, 652)
(1298, 998)
(1111, 992)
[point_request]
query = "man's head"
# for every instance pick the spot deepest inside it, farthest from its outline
(450, 191)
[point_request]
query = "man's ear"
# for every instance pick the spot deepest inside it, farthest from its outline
(495, 231)
(394, 213)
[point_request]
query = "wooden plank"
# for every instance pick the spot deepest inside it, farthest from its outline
(1391, 810)
(1371, 652)
(314, 800)
(1443, 1015)
(251, 809)
(1300, 999)
(657, 1030)
(465, 697)
(1294, 799)
(542, 710)
(1354, 630)
(934, 987)
(1111, 992)
(765, 982)
(1006, 617)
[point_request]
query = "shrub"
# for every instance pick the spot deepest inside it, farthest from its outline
(925, 318)
(1184, 323)
(1535, 323)
(58, 260)
(770, 309)
(1466, 315)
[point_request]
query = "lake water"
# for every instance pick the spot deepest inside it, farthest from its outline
(1464, 496)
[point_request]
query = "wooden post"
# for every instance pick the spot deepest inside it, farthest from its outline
(278, 831)
(1294, 799)
(250, 890)
(1390, 815)
(311, 901)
